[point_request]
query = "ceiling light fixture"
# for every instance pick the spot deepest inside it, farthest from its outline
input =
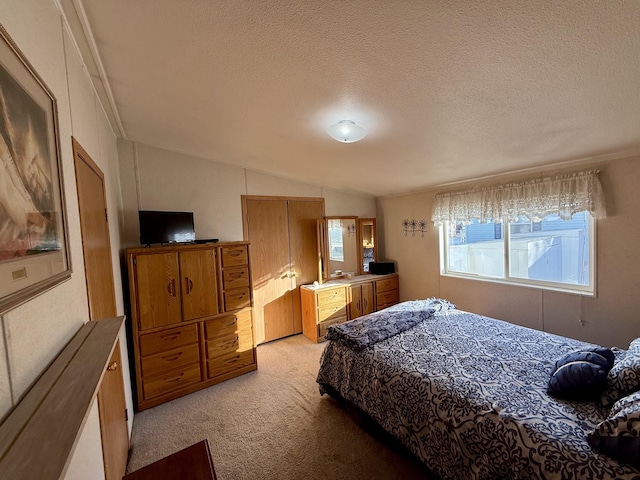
(346, 131)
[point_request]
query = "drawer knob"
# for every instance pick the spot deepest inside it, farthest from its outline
(232, 343)
(234, 359)
(112, 366)
(176, 379)
(171, 358)
(170, 337)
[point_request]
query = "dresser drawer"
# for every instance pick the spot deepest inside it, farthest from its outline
(235, 278)
(162, 362)
(169, 381)
(168, 339)
(235, 299)
(234, 256)
(337, 295)
(386, 299)
(236, 343)
(229, 363)
(228, 325)
(329, 312)
(387, 284)
(322, 327)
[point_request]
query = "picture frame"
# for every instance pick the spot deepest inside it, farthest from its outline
(34, 248)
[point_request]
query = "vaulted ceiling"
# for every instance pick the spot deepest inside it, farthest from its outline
(447, 90)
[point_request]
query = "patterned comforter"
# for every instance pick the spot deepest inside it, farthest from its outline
(467, 395)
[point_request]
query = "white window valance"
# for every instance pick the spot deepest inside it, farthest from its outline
(563, 195)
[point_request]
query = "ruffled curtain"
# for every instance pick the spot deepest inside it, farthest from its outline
(563, 195)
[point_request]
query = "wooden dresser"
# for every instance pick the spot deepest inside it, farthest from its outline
(191, 316)
(337, 301)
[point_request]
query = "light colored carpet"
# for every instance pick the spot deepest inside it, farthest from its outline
(270, 424)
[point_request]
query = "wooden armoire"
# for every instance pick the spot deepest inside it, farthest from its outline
(284, 256)
(191, 317)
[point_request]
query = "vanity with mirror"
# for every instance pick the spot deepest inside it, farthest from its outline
(345, 289)
(346, 246)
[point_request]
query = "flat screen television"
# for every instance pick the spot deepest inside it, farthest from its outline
(166, 227)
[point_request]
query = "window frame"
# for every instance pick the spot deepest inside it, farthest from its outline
(589, 290)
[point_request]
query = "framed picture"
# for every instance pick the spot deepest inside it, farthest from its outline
(34, 251)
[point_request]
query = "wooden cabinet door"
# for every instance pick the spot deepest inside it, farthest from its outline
(113, 419)
(361, 300)
(367, 298)
(158, 287)
(355, 306)
(198, 283)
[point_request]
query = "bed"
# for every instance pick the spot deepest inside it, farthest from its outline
(467, 394)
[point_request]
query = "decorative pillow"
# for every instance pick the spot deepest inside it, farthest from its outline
(618, 436)
(581, 375)
(624, 377)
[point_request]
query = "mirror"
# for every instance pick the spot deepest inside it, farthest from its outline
(338, 239)
(367, 244)
(346, 245)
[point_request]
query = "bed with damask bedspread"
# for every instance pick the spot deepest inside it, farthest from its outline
(467, 394)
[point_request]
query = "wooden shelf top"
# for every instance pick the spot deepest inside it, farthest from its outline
(39, 435)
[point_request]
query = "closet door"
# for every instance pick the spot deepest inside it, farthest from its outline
(266, 227)
(282, 232)
(303, 215)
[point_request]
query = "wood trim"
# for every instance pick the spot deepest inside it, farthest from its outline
(40, 434)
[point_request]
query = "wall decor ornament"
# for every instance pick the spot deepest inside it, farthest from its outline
(414, 226)
(34, 250)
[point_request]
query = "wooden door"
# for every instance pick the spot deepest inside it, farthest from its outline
(96, 244)
(158, 289)
(303, 217)
(96, 248)
(198, 280)
(266, 227)
(113, 418)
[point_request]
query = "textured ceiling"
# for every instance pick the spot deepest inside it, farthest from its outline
(447, 90)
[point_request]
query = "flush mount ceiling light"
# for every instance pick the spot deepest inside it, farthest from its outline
(346, 131)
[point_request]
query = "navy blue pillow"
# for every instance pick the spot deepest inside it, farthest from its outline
(581, 375)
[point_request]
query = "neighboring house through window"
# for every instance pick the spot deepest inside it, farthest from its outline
(550, 253)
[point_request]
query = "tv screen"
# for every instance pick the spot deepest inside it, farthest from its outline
(166, 227)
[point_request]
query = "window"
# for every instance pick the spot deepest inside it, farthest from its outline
(539, 232)
(551, 253)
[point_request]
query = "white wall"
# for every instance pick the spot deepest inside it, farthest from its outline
(157, 179)
(610, 319)
(35, 332)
